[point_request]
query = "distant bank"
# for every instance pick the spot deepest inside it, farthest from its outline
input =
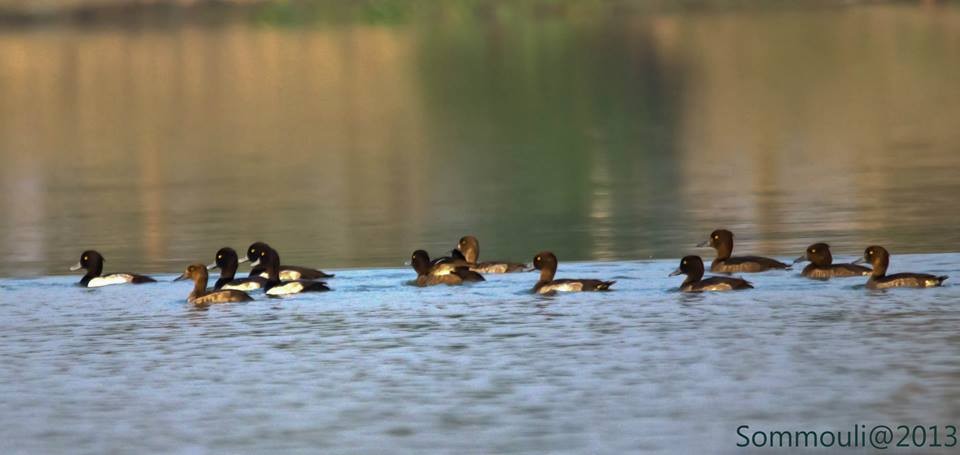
(44, 11)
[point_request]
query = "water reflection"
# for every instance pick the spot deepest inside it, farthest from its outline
(615, 134)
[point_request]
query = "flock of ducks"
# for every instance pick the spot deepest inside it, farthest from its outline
(463, 266)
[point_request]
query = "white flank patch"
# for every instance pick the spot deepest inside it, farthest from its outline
(442, 269)
(718, 287)
(245, 286)
(116, 278)
(289, 288)
(285, 275)
(565, 287)
(289, 275)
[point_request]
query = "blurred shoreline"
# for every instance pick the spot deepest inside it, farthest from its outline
(27, 13)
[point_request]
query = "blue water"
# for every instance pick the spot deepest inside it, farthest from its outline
(378, 366)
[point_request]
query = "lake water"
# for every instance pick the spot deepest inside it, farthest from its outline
(613, 134)
(377, 365)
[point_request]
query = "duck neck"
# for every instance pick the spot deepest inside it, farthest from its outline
(422, 269)
(724, 250)
(89, 276)
(547, 273)
(694, 275)
(880, 267)
(471, 254)
(826, 260)
(95, 269)
(227, 272)
(199, 285)
(273, 269)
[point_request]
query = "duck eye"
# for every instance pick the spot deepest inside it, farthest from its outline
(538, 258)
(263, 253)
(813, 251)
(85, 258)
(684, 262)
(219, 256)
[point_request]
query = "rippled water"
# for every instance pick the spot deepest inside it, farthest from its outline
(378, 365)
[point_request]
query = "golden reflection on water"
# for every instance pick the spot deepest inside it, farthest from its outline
(617, 135)
(858, 120)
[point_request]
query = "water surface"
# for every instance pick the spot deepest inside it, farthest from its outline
(376, 365)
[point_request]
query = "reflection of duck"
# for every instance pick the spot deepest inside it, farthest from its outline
(200, 296)
(546, 263)
(92, 261)
(228, 261)
(722, 241)
(822, 267)
(469, 246)
(880, 259)
(431, 273)
(692, 267)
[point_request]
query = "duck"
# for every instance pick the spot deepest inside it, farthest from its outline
(692, 267)
(880, 259)
(444, 264)
(432, 273)
(227, 261)
(287, 272)
(200, 296)
(270, 259)
(93, 261)
(469, 247)
(722, 241)
(822, 267)
(546, 263)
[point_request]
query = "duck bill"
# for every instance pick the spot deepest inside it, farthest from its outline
(75, 267)
(859, 261)
(800, 259)
(181, 277)
(703, 244)
(676, 272)
(211, 266)
(242, 260)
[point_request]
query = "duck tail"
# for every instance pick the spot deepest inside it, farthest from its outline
(605, 285)
(466, 274)
(316, 286)
(942, 278)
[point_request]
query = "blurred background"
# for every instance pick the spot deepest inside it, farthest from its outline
(348, 134)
